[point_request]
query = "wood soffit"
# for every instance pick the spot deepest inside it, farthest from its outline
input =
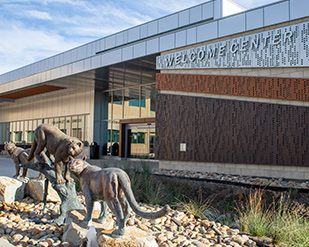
(29, 92)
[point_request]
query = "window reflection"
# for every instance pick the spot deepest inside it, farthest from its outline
(22, 132)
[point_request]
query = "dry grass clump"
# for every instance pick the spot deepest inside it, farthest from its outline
(283, 221)
(196, 207)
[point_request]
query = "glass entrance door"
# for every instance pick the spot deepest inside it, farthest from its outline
(141, 141)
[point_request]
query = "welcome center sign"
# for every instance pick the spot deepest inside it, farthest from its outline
(281, 47)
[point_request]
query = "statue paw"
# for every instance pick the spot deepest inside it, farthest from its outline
(69, 180)
(60, 181)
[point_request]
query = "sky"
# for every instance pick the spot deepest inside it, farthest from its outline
(31, 30)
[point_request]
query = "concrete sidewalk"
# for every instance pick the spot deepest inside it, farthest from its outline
(7, 168)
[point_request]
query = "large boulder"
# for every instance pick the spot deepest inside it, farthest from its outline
(5, 243)
(76, 232)
(36, 191)
(133, 237)
(11, 190)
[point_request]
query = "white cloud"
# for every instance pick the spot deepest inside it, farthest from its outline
(38, 15)
(21, 46)
(42, 28)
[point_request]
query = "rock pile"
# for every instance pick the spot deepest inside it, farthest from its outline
(19, 225)
(235, 179)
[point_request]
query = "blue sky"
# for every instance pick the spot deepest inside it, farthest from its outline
(31, 30)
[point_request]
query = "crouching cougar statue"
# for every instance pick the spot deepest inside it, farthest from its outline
(58, 144)
(110, 185)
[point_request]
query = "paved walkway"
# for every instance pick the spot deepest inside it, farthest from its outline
(7, 168)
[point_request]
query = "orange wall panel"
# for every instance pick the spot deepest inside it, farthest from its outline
(248, 86)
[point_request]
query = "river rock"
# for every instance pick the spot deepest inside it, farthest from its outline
(133, 237)
(36, 191)
(11, 190)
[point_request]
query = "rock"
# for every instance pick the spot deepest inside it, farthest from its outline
(43, 244)
(240, 239)
(200, 244)
(179, 239)
(36, 191)
(92, 237)
(210, 215)
(221, 218)
(133, 237)
(5, 243)
(74, 234)
(250, 243)
(11, 190)
(77, 216)
(17, 237)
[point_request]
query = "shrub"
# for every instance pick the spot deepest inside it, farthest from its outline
(283, 221)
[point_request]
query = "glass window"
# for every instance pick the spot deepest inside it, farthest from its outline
(62, 125)
(136, 103)
(75, 128)
(68, 125)
(148, 95)
(55, 122)
(39, 121)
(86, 130)
(18, 135)
(113, 137)
(30, 136)
(117, 110)
(4, 132)
(138, 138)
(131, 96)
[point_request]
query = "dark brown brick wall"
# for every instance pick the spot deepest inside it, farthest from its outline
(249, 86)
(228, 131)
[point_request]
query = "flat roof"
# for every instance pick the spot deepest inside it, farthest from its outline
(190, 26)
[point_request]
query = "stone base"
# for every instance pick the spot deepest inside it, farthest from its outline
(77, 216)
(133, 237)
(75, 231)
(36, 191)
(11, 190)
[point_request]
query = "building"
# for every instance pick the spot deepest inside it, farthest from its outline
(211, 88)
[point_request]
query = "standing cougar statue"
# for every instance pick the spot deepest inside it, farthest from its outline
(113, 186)
(58, 144)
(19, 155)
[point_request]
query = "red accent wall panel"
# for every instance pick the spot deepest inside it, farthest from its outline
(248, 86)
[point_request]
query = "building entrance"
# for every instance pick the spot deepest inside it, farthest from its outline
(140, 141)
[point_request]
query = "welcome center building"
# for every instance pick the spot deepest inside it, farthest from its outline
(211, 88)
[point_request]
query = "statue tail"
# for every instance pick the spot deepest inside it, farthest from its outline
(33, 148)
(126, 187)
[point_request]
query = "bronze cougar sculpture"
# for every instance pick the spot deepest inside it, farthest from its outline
(110, 185)
(58, 144)
(19, 155)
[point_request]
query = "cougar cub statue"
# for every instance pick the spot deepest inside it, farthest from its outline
(110, 185)
(19, 155)
(58, 144)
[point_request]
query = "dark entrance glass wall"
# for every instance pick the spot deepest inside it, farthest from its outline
(123, 91)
